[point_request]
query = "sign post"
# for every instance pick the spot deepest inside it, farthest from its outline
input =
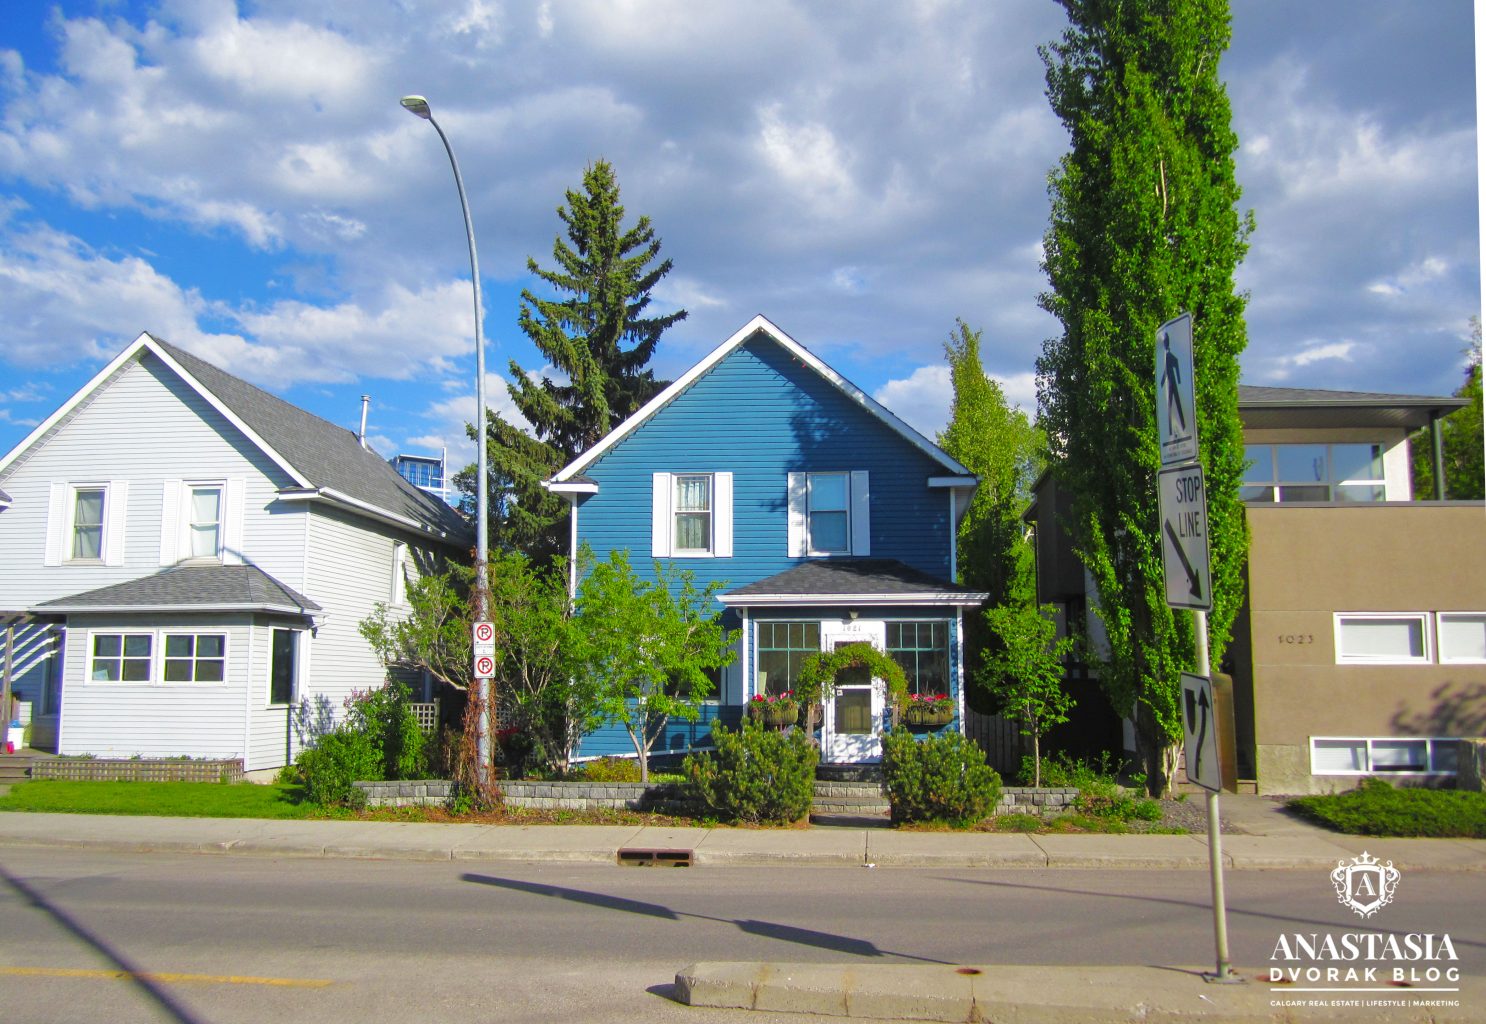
(1185, 558)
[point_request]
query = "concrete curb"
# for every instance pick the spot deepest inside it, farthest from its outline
(1020, 994)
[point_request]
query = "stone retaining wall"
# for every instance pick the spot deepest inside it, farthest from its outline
(100, 769)
(1041, 802)
(666, 798)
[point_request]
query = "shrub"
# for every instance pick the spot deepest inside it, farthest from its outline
(1377, 809)
(756, 774)
(386, 716)
(942, 778)
(609, 769)
(342, 756)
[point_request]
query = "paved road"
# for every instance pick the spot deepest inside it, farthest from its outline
(267, 940)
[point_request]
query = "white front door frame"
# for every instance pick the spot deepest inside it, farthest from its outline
(853, 748)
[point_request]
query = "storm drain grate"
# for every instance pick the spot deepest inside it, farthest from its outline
(642, 858)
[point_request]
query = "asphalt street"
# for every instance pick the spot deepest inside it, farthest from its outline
(92, 936)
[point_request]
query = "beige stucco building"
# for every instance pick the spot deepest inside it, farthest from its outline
(1361, 648)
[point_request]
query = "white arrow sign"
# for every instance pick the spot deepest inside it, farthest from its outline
(1199, 719)
(1183, 496)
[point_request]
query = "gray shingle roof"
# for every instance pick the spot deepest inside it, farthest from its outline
(1313, 407)
(191, 588)
(325, 454)
(879, 580)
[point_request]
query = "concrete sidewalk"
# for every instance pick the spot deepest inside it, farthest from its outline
(1266, 838)
(1049, 995)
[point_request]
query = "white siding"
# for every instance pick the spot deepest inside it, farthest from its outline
(155, 719)
(143, 428)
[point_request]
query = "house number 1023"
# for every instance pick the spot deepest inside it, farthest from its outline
(1297, 638)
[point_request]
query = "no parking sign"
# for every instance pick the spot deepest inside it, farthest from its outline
(484, 649)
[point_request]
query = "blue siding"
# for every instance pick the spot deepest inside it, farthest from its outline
(761, 415)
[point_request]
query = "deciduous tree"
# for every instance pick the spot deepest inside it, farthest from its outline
(648, 648)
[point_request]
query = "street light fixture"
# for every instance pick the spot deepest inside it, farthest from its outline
(481, 597)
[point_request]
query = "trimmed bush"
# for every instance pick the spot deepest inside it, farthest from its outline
(340, 758)
(941, 778)
(1377, 809)
(609, 769)
(756, 775)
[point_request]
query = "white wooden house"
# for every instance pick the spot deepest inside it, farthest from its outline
(187, 559)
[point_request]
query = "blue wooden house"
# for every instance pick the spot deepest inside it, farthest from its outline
(830, 520)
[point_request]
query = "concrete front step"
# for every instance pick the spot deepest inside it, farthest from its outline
(14, 768)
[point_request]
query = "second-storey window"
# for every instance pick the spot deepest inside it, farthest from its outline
(828, 520)
(691, 515)
(205, 510)
(693, 505)
(87, 522)
(829, 514)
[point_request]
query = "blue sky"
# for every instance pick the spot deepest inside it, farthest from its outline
(239, 179)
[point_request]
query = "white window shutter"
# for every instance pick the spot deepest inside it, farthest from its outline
(798, 505)
(722, 515)
(116, 512)
(660, 515)
(56, 524)
(861, 515)
(232, 520)
(170, 523)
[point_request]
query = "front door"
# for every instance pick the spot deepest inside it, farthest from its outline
(852, 730)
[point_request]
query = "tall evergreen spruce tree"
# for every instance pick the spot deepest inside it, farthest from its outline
(598, 337)
(1144, 226)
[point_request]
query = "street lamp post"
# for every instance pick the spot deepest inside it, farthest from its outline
(481, 598)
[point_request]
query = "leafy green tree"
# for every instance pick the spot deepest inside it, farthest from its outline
(1144, 225)
(1026, 671)
(599, 338)
(997, 443)
(648, 648)
(1460, 439)
(534, 681)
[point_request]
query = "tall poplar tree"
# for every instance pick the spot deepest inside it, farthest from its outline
(598, 338)
(999, 444)
(1144, 226)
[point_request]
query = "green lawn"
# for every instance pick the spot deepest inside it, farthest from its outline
(174, 799)
(1377, 809)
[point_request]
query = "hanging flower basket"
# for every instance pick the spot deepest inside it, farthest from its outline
(774, 711)
(781, 713)
(929, 710)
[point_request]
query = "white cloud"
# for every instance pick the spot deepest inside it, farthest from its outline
(1427, 270)
(922, 399)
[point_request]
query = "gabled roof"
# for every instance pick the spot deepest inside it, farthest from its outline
(324, 461)
(191, 588)
(567, 476)
(866, 581)
(1312, 407)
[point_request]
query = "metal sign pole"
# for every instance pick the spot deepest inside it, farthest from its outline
(1214, 831)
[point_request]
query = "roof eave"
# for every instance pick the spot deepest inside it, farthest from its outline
(932, 600)
(330, 496)
(193, 608)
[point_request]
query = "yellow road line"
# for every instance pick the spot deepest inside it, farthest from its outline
(166, 977)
